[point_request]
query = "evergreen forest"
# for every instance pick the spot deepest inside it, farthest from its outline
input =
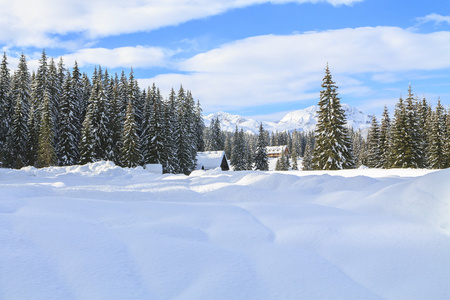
(55, 116)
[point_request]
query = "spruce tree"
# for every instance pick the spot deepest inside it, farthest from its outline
(216, 139)
(238, 160)
(385, 135)
(261, 159)
(131, 155)
(333, 149)
(67, 145)
(116, 117)
(399, 143)
(46, 149)
(6, 107)
(373, 146)
(435, 152)
(171, 120)
(199, 127)
(18, 131)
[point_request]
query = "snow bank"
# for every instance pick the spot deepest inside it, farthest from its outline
(104, 232)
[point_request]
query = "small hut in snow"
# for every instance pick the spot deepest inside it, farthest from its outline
(276, 151)
(211, 160)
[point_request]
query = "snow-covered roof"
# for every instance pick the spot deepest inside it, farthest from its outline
(276, 149)
(210, 159)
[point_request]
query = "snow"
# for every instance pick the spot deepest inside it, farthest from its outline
(99, 231)
(302, 120)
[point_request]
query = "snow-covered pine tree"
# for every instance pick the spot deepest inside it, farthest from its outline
(18, 131)
(184, 136)
(67, 145)
(135, 96)
(171, 121)
(385, 135)
(423, 111)
(446, 138)
(39, 88)
(435, 152)
(308, 155)
(400, 139)
(333, 149)
(98, 114)
(216, 139)
(6, 107)
(156, 152)
(116, 117)
(414, 154)
(373, 145)
(77, 88)
(282, 163)
(131, 154)
(199, 127)
(54, 94)
(238, 156)
(261, 159)
(46, 149)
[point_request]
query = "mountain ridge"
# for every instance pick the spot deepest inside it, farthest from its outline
(302, 120)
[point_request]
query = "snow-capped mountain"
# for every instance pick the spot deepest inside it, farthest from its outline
(302, 120)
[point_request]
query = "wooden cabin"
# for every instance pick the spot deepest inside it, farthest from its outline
(212, 159)
(276, 151)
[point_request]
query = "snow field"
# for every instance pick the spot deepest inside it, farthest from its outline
(102, 232)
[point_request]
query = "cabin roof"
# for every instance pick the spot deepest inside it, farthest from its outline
(210, 159)
(276, 149)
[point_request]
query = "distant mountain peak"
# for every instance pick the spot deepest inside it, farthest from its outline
(302, 120)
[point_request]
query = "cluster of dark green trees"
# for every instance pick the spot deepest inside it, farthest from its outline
(55, 116)
(417, 137)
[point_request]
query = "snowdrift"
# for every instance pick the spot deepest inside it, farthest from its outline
(102, 232)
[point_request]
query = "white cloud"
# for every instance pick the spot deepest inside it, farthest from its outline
(139, 56)
(269, 69)
(437, 18)
(38, 23)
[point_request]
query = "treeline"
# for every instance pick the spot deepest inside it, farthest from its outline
(55, 116)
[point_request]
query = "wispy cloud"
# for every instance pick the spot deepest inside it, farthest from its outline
(435, 18)
(44, 23)
(138, 56)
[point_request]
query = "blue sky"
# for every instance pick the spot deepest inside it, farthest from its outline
(251, 57)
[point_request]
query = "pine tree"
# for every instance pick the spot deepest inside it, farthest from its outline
(216, 142)
(414, 155)
(385, 136)
(6, 107)
(261, 159)
(68, 132)
(131, 155)
(199, 127)
(373, 148)
(435, 152)
(333, 149)
(184, 132)
(116, 118)
(238, 151)
(46, 149)
(171, 121)
(18, 132)
(282, 163)
(308, 155)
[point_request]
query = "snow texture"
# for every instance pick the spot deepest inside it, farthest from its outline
(99, 231)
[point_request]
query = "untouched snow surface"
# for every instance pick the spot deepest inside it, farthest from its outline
(102, 232)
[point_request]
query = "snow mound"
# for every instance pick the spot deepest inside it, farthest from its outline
(99, 231)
